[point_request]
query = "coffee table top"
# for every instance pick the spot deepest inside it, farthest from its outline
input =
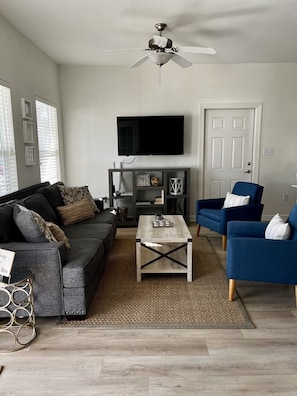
(179, 232)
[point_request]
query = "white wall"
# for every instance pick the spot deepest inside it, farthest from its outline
(92, 98)
(28, 73)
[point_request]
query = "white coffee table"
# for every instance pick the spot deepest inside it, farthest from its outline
(166, 250)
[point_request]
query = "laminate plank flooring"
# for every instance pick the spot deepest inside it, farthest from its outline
(161, 362)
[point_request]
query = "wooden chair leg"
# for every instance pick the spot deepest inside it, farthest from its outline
(224, 242)
(198, 229)
(232, 283)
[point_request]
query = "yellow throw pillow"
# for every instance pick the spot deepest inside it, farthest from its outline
(76, 212)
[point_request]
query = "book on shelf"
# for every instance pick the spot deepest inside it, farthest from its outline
(140, 203)
(160, 199)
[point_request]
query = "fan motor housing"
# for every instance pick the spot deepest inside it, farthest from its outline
(154, 46)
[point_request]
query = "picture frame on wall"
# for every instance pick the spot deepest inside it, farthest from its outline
(28, 132)
(30, 155)
(26, 106)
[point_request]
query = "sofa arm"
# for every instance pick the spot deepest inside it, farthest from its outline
(252, 229)
(45, 261)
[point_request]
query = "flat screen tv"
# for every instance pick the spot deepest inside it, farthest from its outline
(150, 135)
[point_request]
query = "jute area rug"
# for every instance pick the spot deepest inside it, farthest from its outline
(164, 301)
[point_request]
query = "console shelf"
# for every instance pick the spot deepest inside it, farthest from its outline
(137, 191)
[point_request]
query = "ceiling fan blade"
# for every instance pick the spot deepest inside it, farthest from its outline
(140, 61)
(181, 61)
(197, 50)
(126, 49)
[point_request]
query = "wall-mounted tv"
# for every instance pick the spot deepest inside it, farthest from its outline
(150, 135)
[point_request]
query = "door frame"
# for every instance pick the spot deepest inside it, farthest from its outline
(257, 107)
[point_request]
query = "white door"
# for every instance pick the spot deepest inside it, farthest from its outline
(228, 155)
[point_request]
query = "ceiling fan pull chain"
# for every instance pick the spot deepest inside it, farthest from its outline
(160, 79)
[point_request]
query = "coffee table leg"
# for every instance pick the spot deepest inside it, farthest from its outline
(189, 261)
(138, 260)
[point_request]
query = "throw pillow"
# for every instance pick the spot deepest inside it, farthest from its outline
(277, 228)
(75, 194)
(32, 225)
(59, 234)
(76, 212)
(232, 200)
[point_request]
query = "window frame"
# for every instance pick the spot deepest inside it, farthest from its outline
(8, 169)
(48, 146)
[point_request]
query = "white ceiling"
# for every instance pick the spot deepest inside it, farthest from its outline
(77, 32)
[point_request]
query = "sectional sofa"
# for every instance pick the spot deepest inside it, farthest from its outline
(63, 237)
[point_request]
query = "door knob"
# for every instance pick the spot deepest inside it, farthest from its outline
(248, 171)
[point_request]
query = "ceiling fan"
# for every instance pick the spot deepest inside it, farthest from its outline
(161, 50)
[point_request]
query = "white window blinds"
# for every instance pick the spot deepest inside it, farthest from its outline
(48, 142)
(8, 168)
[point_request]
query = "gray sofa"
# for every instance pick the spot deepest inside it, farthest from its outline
(64, 280)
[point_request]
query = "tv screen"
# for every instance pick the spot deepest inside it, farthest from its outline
(150, 135)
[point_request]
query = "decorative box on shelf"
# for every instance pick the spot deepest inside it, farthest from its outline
(143, 180)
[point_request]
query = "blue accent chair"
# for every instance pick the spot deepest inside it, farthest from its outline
(209, 212)
(252, 257)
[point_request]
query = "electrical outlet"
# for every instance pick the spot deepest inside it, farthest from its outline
(285, 196)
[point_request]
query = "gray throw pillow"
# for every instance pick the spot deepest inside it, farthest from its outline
(32, 225)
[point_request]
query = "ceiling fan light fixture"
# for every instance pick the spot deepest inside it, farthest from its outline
(160, 58)
(161, 50)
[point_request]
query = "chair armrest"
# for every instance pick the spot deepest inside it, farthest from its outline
(212, 203)
(263, 260)
(250, 229)
(246, 212)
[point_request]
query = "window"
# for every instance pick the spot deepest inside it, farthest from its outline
(48, 142)
(8, 168)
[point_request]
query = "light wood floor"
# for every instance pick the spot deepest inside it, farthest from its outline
(260, 361)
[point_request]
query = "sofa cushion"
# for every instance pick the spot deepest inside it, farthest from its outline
(105, 216)
(102, 231)
(233, 200)
(32, 225)
(9, 232)
(82, 262)
(213, 214)
(59, 234)
(39, 204)
(76, 212)
(75, 194)
(277, 228)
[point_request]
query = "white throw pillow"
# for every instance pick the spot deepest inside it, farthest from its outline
(235, 200)
(277, 228)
